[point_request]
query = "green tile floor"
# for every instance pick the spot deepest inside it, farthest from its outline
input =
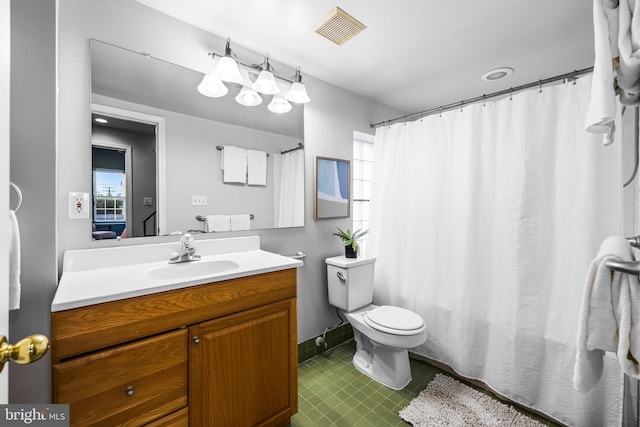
(332, 392)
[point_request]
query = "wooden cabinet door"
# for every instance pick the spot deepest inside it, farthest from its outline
(243, 368)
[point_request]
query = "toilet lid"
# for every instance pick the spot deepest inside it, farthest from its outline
(392, 319)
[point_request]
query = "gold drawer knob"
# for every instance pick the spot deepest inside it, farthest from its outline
(27, 350)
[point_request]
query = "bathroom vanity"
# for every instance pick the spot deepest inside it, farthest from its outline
(201, 348)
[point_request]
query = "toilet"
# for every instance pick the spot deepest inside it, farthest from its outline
(383, 334)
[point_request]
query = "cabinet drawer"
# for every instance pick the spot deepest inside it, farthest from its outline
(129, 385)
(177, 419)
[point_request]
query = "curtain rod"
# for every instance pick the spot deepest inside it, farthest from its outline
(300, 146)
(416, 116)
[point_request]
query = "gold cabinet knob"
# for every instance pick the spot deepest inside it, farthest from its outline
(27, 350)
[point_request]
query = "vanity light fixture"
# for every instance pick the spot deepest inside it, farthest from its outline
(279, 104)
(298, 92)
(266, 82)
(227, 68)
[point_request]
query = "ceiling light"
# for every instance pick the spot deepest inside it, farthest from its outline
(279, 105)
(497, 74)
(227, 68)
(101, 120)
(298, 92)
(266, 82)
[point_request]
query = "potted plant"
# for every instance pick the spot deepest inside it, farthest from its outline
(350, 241)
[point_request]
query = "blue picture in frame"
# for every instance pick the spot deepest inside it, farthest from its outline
(332, 188)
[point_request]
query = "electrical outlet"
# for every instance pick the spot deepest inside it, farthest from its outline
(147, 201)
(198, 200)
(78, 205)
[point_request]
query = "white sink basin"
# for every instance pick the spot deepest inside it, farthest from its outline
(186, 270)
(98, 275)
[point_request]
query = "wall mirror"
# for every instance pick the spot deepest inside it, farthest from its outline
(332, 188)
(157, 161)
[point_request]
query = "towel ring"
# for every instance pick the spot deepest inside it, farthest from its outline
(18, 193)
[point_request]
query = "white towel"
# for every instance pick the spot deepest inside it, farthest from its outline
(628, 315)
(14, 262)
(234, 163)
(604, 314)
(601, 113)
(629, 50)
(256, 167)
(217, 223)
(240, 222)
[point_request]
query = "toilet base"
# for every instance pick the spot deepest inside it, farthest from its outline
(388, 366)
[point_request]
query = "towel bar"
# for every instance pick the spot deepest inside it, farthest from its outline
(627, 267)
(220, 148)
(624, 267)
(18, 194)
(202, 218)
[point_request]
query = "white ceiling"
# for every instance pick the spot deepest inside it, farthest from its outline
(414, 54)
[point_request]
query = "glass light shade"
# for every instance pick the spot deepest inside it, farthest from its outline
(227, 70)
(298, 93)
(279, 105)
(212, 86)
(248, 97)
(266, 83)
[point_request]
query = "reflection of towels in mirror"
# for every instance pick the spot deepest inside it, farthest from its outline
(256, 167)
(217, 223)
(234, 164)
(240, 222)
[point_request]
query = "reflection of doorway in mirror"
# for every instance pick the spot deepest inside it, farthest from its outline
(111, 190)
(139, 137)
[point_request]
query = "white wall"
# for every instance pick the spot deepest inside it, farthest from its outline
(631, 228)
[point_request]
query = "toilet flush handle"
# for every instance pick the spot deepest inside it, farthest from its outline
(340, 275)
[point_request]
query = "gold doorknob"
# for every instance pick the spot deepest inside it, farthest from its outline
(27, 350)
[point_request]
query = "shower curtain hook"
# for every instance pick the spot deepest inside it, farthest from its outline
(440, 112)
(511, 94)
(484, 100)
(461, 104)
(540, 91)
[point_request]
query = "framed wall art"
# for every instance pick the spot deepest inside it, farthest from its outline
(332, 188)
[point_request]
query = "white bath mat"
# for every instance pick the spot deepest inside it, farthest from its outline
(447, 402)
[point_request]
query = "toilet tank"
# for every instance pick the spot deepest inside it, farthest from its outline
(350, 282)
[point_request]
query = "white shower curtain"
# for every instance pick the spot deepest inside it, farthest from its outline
(288, 170)
(484, 222)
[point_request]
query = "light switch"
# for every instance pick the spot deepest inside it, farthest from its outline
(147, 201)
(198, 200)
(78, 205)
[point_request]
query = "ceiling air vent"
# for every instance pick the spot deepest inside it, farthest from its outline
(338, 26)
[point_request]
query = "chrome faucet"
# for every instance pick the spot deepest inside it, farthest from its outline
(187, 251)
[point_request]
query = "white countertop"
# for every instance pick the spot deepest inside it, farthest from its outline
(85, 281)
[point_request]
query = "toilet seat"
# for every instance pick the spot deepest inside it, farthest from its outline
(394, 320)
